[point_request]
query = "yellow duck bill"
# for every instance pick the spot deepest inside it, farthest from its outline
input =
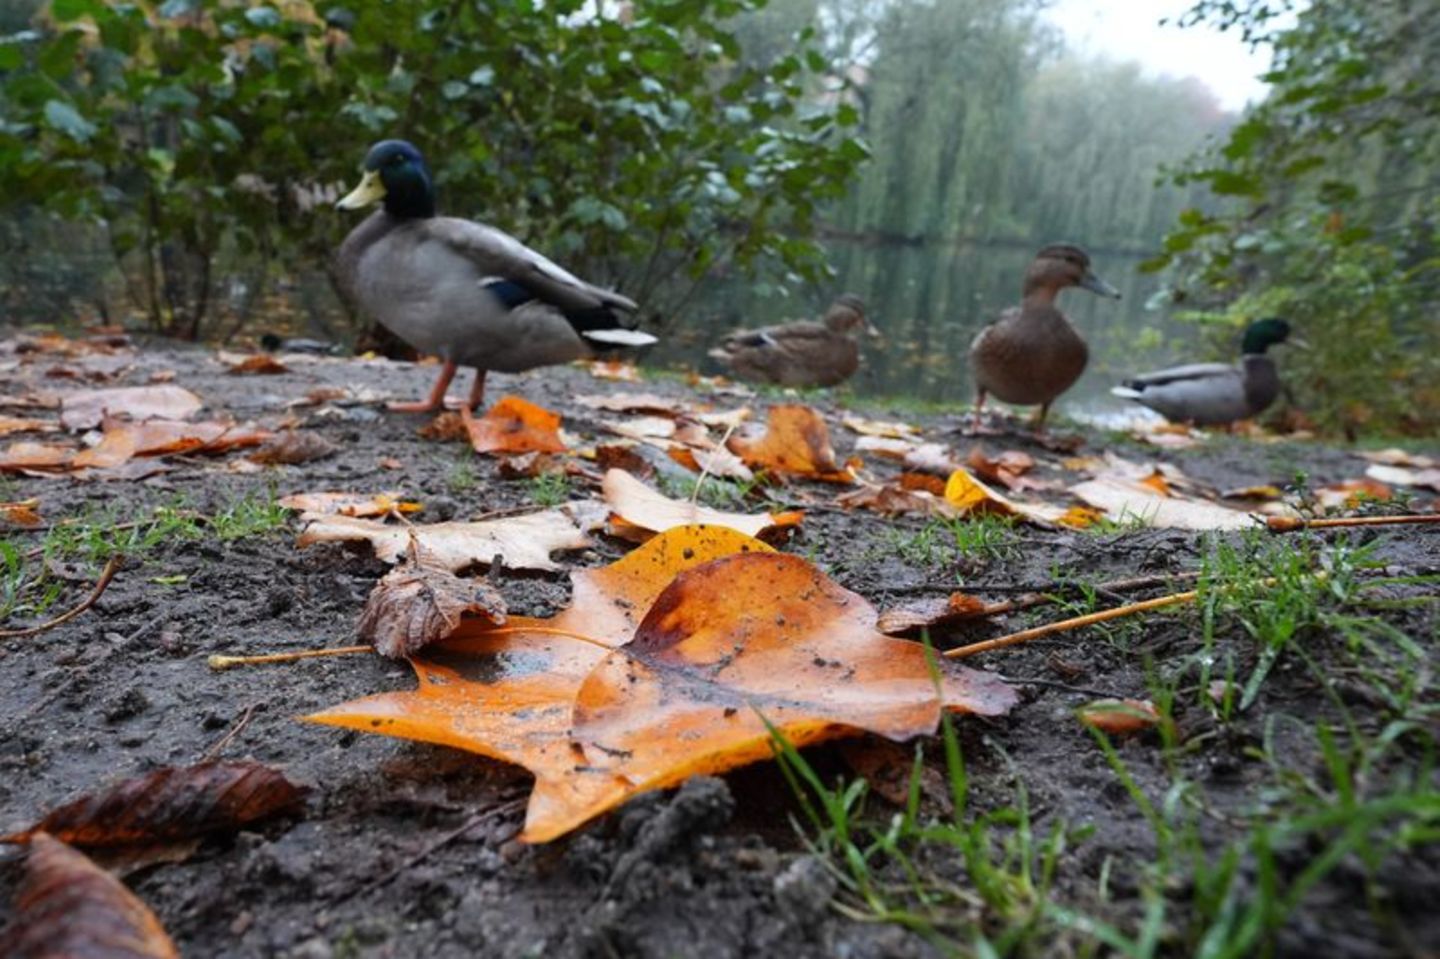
(371, 190)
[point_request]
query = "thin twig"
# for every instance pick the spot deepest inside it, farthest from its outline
(1065, 625)
(494, 812)
(705, 470)
(1052, 684)
(214, 751)
(1286, 524)
(107, 574)
(226, 662)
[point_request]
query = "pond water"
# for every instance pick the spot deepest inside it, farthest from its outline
(930, 300)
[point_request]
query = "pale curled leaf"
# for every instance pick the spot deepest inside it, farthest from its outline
(1125, 502)
(525, 542)
(85, 409)
(639, 506)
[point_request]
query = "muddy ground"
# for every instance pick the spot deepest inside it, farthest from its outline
(717, 870)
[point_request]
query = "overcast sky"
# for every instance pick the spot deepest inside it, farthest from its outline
(1129, 30)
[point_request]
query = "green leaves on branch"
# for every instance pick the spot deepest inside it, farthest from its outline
(640, 148)
(1330, 207)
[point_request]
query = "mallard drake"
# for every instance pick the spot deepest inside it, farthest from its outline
(1033, 353)
(464, 291)
(1212, 394)
(803, 353)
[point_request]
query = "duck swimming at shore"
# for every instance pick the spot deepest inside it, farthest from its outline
(1033, 353)
(1215, 394)
(803, 353)
(464, 291)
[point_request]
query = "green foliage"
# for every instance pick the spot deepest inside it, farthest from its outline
(637, 149)
(1332, 216)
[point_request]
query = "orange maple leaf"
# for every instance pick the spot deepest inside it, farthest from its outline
(795, 443)
(514, 425)
(661, 669)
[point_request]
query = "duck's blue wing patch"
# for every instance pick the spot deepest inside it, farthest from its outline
(509, 292)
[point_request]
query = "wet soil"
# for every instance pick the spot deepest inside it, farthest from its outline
(713, 870)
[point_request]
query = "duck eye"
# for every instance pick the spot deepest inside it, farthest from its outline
(397, 160)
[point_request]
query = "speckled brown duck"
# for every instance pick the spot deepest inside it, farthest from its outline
(1033, 353)
(803, 353)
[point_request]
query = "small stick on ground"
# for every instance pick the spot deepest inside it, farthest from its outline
(214, 751)
(226, 662)
(480, 818)
(1286, 524)
(107, 574)
(1065, 625)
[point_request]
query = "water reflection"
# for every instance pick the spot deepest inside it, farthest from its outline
(929, 301)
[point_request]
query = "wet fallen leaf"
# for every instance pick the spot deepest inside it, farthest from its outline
(514, 425)
(733, 631)
(1119, 717)
(349, 504)
(124, 439)
(936, 613)
(1259, 493)
(926, 482)
(1007, 468)
(525, 542)
(880, 428)
(294, 446)
(795, 443)
(446, 427)
(642, 403)
(642, 511)
(889, 769)
(420, 602)
(262, 364)
(389, 463)
(88, 408)
(11, 424)
(171, 803)
(1398, 457)
(22, 513)
(1132, 502)
(888, 447)
(68, 906)
(933, 458)
(26, 456)
(894, 500)
(614, 370)
(1351, 493)
(968, 495)
(1424, 478)
(717, 462)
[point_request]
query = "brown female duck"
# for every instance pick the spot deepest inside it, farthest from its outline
(1033, 353)
(803, 353)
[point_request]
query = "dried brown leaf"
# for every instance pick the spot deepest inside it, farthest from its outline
(175, 802)
(419, 602)
(69, 907)
(294, 446)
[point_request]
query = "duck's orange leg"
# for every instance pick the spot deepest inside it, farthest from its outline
(979, 404)
(477, 391)
(436, 399)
